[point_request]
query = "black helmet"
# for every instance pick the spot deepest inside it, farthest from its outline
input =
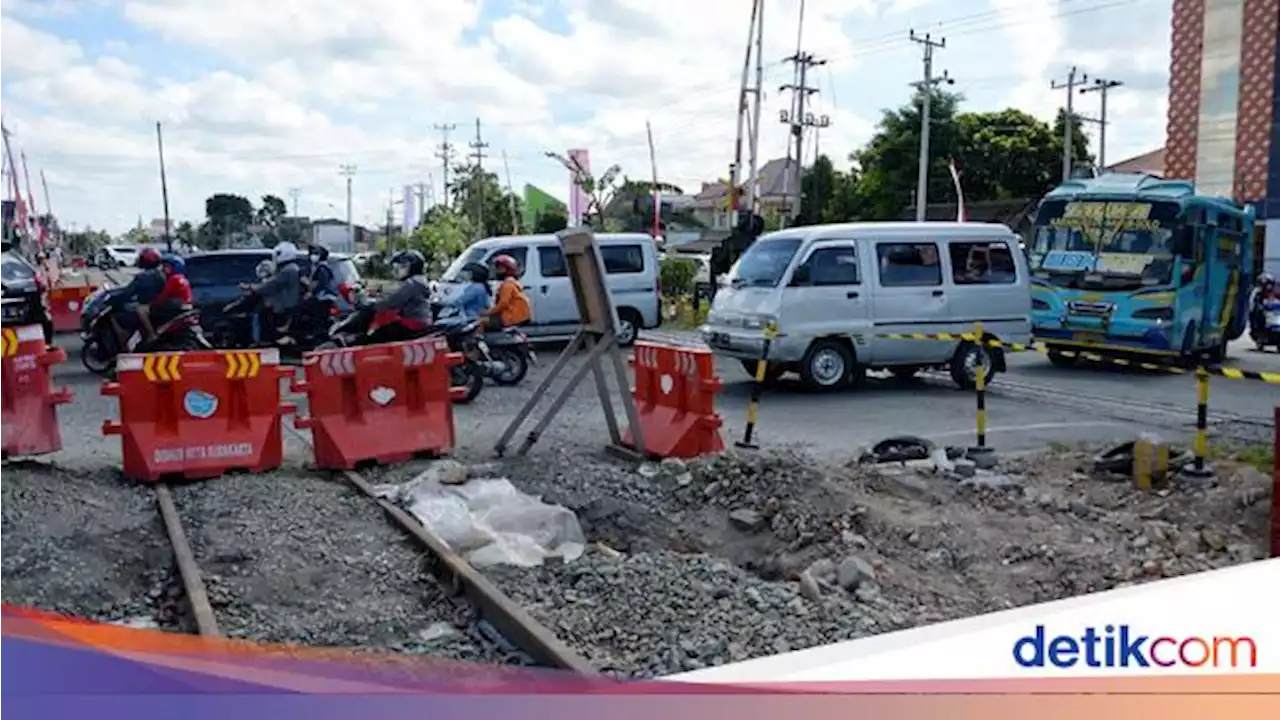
(408, 263)
(321, 252)
(479, 272)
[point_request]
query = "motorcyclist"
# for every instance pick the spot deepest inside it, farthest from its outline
(511, 308)
(322, 281)
(1266, 292)
(411, 301)
(139, 293)
(282, 292)
(174, 296)
(475, 296)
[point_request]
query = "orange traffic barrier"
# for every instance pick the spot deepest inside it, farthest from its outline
(30, 402)
(65, 306)
(675, 392)
(199, 414)
(379, 403)
(1275, 494)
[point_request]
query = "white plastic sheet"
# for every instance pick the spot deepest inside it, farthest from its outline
(488, 520)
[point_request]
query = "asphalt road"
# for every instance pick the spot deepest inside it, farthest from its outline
(1032, 405)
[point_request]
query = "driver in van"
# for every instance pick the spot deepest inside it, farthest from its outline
(977, 267)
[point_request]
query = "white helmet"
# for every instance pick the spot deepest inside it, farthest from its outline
(285, 252)
(265, 269)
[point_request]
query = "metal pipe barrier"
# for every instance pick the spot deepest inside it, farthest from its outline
(1198, 468)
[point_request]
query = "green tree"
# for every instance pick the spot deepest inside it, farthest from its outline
(818, 186)
(185, 233)
(551, 221)
(890, 160)
(272, 210)
(599, 189)
(476, 189)
(1080, 152)
(226, 215)
(443, 235)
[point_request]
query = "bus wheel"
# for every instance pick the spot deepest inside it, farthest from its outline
(1187, 356)
(1057, 357)
(1218, 354)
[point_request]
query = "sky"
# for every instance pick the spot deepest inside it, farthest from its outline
(274, 97)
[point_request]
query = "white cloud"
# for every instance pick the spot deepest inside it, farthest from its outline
(277, 103)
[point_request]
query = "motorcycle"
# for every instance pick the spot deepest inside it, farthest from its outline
(1265, 331)
(101, 344)
(308, 328)
(359, 328)
(505, 355)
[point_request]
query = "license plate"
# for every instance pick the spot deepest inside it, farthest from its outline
(719, 340)
(1088, 337)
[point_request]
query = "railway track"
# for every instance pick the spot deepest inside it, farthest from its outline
(458, 580)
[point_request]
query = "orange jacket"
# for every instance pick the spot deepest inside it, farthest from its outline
(512, 304)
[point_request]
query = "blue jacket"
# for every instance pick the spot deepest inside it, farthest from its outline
(142, 289)
(475, 300)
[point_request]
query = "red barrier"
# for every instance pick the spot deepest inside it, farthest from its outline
(65, 306)
(382, 403)
(675, 394)
(1275, 494)
(199, 414)
(30, 402)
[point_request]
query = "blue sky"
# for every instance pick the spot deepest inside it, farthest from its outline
(260, 98)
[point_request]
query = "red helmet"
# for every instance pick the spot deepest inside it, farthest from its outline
(148, 258)
(508, 265)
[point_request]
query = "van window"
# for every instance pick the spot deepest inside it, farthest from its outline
(622, 259)
(764, 263)
(833, 266)
(982, 263)
(518, 252)
(551, 259)
(909, 264)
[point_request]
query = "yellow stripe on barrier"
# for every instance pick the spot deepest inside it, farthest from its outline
(242, 365)
(1231, 373)
(162, 368)
(9, 343)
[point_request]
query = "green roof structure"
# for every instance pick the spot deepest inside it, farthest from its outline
(538, 202)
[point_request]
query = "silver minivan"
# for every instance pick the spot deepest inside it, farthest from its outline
(832, 290)
(631, 265)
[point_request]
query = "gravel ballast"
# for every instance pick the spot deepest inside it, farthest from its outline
(82, 543)
(732, 558)
(296, 557)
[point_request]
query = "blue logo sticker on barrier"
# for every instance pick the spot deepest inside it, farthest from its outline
(200, 404)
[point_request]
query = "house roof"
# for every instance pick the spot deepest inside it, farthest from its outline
(778, 177)
(1006, 212)
(1151, 163)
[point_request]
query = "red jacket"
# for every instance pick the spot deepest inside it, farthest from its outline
(176, 289)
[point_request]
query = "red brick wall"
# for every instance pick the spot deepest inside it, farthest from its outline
(1184, 89)
(1257, 96)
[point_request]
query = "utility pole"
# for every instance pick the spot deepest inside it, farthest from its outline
(349, 172)
(294, 194)
(515, 210)
(445, 153)
(477, 177)
(164, 189)
(735, 165)
(1102, 86)
(1074, 79)
(753, 176)
(801, 120)
(926, 86)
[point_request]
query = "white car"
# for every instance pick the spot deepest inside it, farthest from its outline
(114, 256)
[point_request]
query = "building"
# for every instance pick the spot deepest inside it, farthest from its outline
(779, 192)
(1224, 108)
(1151, 163)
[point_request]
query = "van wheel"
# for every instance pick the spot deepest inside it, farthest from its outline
(827, 366)
(965, 363)
(629, 322)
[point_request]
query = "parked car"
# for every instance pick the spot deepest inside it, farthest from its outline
(834, 290)
(110, 257)
(631, 265)
(215, 277)
(25, 302)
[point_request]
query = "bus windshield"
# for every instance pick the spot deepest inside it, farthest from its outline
(1125, 241)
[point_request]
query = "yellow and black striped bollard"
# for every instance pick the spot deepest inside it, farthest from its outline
(762, 372)
(1198, 467)
(980, 385)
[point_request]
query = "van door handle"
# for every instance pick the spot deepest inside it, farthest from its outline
(527, 287)
(937, 293)
(544, 289)
(851, 294)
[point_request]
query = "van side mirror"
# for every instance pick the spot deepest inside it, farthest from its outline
(801, 275)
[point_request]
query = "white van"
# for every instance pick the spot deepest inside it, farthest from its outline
(831, 289)
(631, 264)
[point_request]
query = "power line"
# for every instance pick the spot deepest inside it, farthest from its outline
(1074, 79)
(1102, 87)
(926, 86)
(445, 153)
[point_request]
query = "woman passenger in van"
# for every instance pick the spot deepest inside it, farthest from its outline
(977, 267)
